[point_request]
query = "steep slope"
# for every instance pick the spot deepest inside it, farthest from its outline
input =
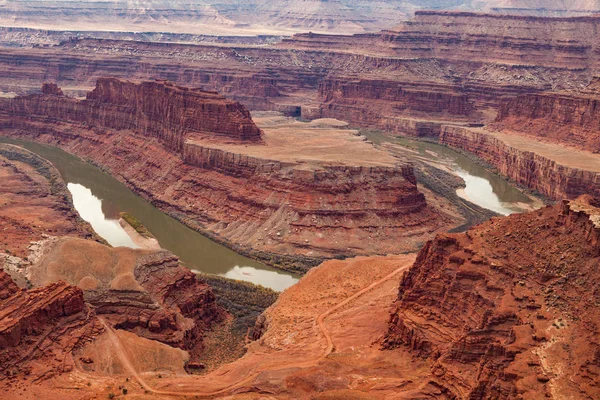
(145, 292)
(572, 118)
(39, 331)
(34, 203)
(508, 309)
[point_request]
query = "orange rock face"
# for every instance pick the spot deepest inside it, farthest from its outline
(572, 119)
(386, 104)
(145, 292)
(156, 109)
(525, 167)
(508, 309)
(39, 330)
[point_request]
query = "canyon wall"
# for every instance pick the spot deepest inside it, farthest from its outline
(158, 109)
(524, 167)
(426, 68)
(572, 119)
(145, 292)
(40, 328)
(44, 245)
(559, 42)
(500, 309)
(393, 106)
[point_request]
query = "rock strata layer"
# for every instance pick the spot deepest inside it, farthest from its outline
(40, 328)
(145, 292)
(451, 66)
(572, 118)
(508, 309)
(529, 169)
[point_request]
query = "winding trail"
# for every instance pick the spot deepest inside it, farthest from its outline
(320, 322)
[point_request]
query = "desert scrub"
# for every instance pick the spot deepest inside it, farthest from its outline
(244, 300)
(137, 225)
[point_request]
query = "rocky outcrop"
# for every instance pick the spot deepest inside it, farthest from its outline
(157, 109)
(392, 186)
(568, 118)
(424, 64)
(557, 42)
(499, 309)
(383, 103)
(524, 167)
(177, 288)
(40, 328)
(146, 292)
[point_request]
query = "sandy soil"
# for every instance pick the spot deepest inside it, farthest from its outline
(319, 141)
(88, 265)
(146, 243)
(323, 342)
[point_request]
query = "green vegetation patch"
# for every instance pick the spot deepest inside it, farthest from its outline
(244, 300)
(137, 225)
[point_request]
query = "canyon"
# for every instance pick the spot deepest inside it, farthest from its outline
(48, 249)
(331, 154)
(256, 192)
(402, 326)
(412, 79)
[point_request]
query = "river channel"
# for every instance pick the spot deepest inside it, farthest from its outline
(99, 198)
(482, 187)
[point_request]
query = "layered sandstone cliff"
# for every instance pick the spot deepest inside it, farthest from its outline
(392, 105)
(145, 292)
(572, 119)
(525, 166)
(426, 68)
(509, 308)
(40, 328)
(157, 109)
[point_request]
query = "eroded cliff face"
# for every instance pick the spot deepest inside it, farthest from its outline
(391, 105)
(145, 292)
(572, 119)
(509, 308)
(46, 246)
(288, 214)
(157, 109)
(39, 330)
(526, 168)
(474, 60)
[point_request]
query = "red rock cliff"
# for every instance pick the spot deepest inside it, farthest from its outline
(571, 119)
(287, 214)
(157, 109)
(526, 168)
(389, 104)
(39, 328)
(508, 309)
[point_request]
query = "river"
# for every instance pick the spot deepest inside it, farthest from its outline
(99, 198)
(482, 187)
